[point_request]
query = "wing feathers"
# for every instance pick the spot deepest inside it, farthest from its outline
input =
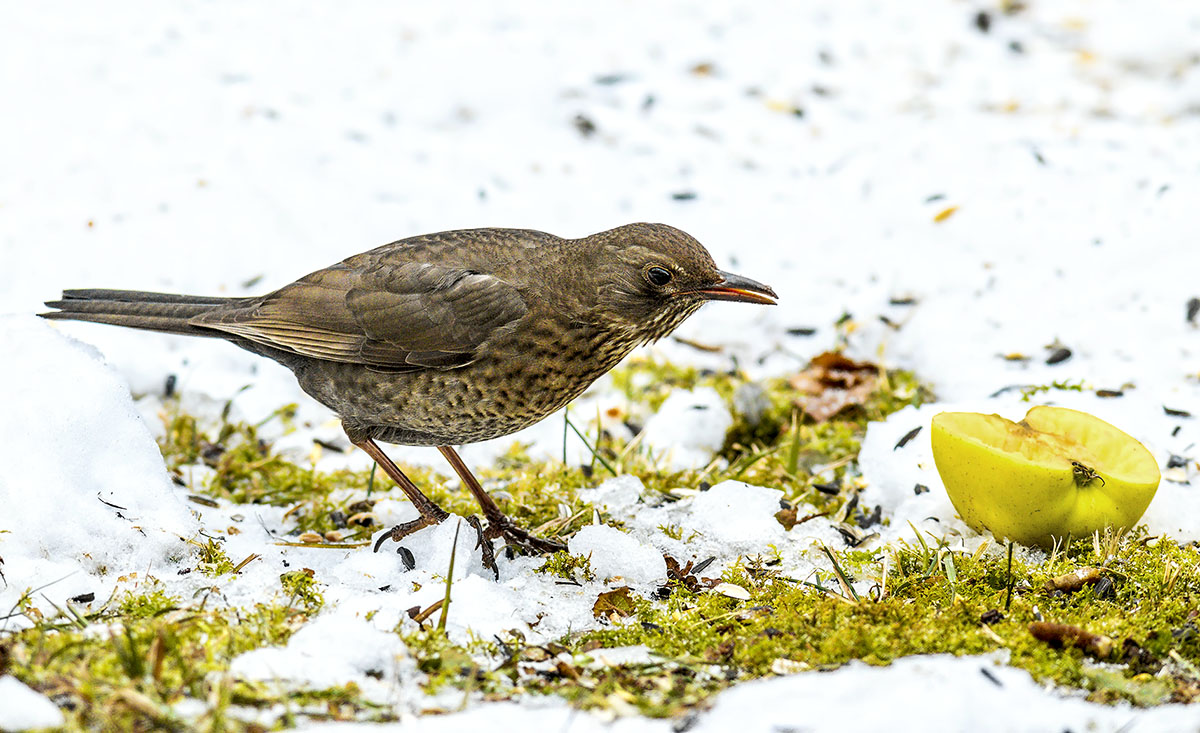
(385, 316)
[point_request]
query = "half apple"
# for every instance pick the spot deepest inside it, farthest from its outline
(1058, 473)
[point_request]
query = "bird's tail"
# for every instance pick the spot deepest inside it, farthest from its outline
(137, 309)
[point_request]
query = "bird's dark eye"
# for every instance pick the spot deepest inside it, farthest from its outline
(658, 276)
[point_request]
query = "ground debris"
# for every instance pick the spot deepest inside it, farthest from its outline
(686, 575)
(833, 383)
(613, 605)
(1074, 580)
(1062, 635)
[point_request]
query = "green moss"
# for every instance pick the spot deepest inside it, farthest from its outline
(478, 667)
(1031, 390)
(648, 382)
(674, 531)
(876, 605)
(150, 603)
(155, 651)
(568, 567)
(300, 586)
(211, 558)
(707, 641)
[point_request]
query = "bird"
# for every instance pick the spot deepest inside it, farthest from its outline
(454, 337)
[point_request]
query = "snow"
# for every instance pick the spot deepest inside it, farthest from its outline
(22, 708)
(736, 512)
(432, 548)
(86, 497)
(981, 690)
(226, 148)
(688, 428)
(334, 649)
(980, 693)
(618, 557)
(540, 715)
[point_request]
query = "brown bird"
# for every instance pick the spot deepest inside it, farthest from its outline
(454, 337)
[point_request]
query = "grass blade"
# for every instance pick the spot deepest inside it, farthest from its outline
(441, 624)
(595, 455)
(844, 581)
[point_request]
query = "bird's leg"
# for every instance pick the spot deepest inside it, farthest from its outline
(499, 525)
(430, 513)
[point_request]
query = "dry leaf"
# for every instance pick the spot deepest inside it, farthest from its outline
(613, 605)
(831, 383)
(1072, 582)
(1060, 635)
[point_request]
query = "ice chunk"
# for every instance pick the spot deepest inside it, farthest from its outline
(615, 554)
(737, 512)
(689, 428)
(618, 494)
(431, 549)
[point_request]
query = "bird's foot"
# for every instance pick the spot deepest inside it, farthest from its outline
(400, 531)
(485, 545)
(520, 539)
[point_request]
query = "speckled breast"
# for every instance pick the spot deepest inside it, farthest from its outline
(514, 384)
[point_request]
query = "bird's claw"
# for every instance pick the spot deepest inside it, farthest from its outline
(497, 527)
(485, 545)
(520, 539)
(400, 531)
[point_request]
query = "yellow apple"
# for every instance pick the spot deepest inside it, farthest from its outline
(1058, 473)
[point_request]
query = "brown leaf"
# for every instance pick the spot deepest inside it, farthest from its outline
(831, 383)
(719, 652)
(1096, 645)
(567, 670)
(613, 605)
(683, 575)
(1073, 581)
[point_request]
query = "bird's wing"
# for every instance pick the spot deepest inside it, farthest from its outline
(402, 316)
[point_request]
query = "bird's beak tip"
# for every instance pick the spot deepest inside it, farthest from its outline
(741, 290)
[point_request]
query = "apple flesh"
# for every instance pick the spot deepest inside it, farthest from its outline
(1058, 473)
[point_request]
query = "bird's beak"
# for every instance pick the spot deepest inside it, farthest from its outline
(739, 289)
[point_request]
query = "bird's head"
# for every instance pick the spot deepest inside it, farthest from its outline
(651, 277)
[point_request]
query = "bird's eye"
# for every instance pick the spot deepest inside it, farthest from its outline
(658, 276)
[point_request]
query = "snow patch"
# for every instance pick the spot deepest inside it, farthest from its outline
(332, 650)
(738, 514)
(22, 708)
(689, 428)
(619, 557)
(79, 464)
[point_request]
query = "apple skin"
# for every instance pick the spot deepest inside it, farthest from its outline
(1058, 473)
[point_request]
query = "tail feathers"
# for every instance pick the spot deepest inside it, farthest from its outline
(141, 296)
(163, 312)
